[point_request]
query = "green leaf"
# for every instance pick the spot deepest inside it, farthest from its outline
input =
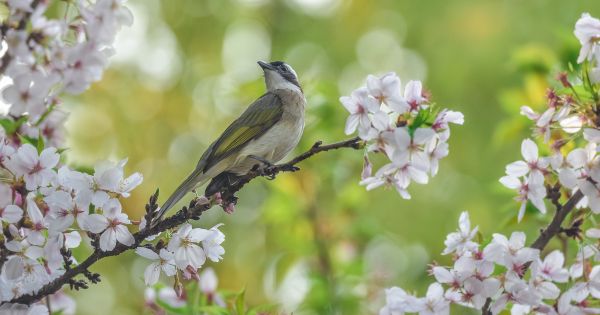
(40, 144)
(30, 140)
(61, 150)
(424, 117)
(213, 309)
(85, 169)
(264, 309)
(11, 126)
(8, 125)
(240, 305)
(171, 309)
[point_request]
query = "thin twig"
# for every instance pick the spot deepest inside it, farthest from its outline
(194, 211)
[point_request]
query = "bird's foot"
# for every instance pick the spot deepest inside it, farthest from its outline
(264, 161)
(269, 173)
(221, 181)
(269, 170)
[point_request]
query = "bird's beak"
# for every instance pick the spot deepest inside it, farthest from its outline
(265, 66)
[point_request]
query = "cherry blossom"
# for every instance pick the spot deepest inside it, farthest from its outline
(184, 245)
(587, 31)
(461, 241)
(161, 261)
(386, 89)
(112, 226)
(434, 302)
(39, 225)
(532, 164)
(359, 104)
(592, 192)
(41, 199)
(592, 135)
(529, 189)
(21, 309)
(65, 209)
(11, 214)
(414, 151)
(552, 268)
(411, 148)
(212, 244)
(36, 170)
(27, 95)
(397, 302)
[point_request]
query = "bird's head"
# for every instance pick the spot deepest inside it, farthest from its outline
(280, 75)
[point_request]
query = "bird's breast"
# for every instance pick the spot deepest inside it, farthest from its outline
(280, 139)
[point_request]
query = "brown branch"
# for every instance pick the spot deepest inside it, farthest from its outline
(547, 234)
(554, 227)
(193, 211)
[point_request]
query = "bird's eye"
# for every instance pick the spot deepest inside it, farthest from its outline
(283, 68)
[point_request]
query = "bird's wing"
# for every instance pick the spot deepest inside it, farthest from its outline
(259, 117)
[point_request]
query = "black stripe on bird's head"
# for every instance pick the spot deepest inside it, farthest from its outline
(285, 71)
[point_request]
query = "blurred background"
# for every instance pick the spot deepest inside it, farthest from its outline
(315, 242)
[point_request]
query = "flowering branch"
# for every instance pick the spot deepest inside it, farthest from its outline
(195, 209)
(547, 234)
(527, 282)
(555, 225)
(46, 207)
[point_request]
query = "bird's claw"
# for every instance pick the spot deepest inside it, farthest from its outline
(269, 173)
(264, 161)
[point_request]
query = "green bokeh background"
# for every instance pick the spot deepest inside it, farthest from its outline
(314, 241)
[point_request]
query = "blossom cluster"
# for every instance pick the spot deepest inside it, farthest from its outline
(570, 131)
(45, 206)
(44, 209)
(183, 252)
(405, 127)
(504, 274)
(47, 57)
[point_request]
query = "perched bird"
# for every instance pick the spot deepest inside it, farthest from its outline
(264, 134)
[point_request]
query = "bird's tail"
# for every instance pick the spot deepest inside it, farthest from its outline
(195, 179)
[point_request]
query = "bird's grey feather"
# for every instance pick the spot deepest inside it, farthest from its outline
(257, 119)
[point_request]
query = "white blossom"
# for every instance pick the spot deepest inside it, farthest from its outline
(36, 170)
(461, 241)
(528, 189)
(184, 245)
(112, 226)
(386, 89)
(163, 261)
(532, 164)
(212, 244)
(587, 31)
(359, 104)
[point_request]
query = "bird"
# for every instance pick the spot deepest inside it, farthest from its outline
(263, 134)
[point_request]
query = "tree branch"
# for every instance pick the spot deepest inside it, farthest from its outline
(554, 227)
(547, 234)
(193, 211)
